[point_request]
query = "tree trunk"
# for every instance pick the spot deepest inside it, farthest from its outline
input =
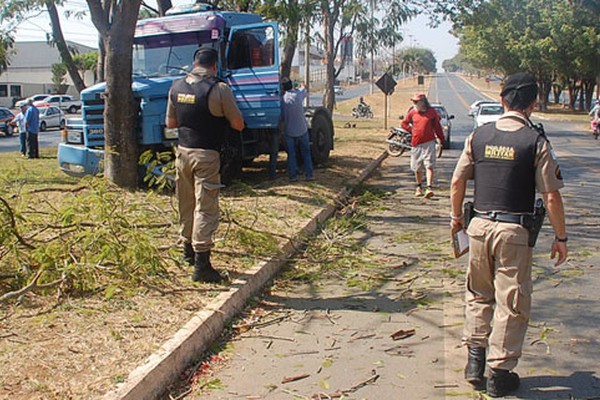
(292, 29)
(120, 114)
(100, 67)
(588, 91)
(163, 6)
(328, 25)
(291, 42)
(65, 54)
(115, 22)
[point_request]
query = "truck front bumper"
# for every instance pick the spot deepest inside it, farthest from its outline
(78, 161)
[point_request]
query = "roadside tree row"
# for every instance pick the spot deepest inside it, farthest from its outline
(557, 40)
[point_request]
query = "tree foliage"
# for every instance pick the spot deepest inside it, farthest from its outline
(349, 17)
(416, 60)
(557, 40)
(59, 71)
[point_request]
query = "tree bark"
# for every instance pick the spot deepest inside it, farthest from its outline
(289, 50)
(65, 54)
(291, 41)
(163, 6)
(116, 24)
(328, 28)
(100, 67)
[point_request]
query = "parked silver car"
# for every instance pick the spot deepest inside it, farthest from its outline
(51, 117)
(445, 122)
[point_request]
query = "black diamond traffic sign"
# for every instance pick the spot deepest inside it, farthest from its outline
(386, 83)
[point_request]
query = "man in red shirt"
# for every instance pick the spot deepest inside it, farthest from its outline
(424, 124)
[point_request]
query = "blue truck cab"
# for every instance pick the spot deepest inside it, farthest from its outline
(163, 52)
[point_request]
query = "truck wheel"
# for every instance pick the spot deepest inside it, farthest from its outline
(321, 138)
(231, 157)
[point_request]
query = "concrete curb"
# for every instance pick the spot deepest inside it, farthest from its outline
(149, 380)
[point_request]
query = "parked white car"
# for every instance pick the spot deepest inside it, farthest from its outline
(487, 113)
(51, 117)
(35, 97)
(475, 106)
(338, 90)
(62, 101)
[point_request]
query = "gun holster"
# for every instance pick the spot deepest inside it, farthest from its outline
(534, 225)
(468, 213)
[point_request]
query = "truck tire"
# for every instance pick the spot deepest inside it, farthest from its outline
(321, 136)
(231, 157)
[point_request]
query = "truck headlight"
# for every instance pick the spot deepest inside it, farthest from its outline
(171, 133)
(74, 137)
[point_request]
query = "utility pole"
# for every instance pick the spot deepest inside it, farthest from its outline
(307, 63)
(372, 74)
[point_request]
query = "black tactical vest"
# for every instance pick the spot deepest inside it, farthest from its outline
(198, 128)
(504, 169)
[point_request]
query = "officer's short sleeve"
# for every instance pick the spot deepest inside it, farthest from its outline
(548, 177)
(465, 166)
(222, 103)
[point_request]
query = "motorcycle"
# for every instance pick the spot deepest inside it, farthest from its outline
(399, 140)
(362, 111)
(595, 128)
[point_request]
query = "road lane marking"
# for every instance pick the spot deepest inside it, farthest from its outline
(462, 99)
(477, 89)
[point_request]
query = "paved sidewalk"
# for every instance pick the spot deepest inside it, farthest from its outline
(327, 338)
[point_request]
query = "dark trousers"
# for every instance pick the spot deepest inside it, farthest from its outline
(32, 145)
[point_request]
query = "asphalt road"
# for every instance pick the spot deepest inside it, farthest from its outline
(49, 138)
(333, 338)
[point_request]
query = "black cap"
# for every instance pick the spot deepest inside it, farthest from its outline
(518, 81)
(206, 55)
(286, 84)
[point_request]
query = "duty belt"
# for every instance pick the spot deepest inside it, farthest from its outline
(523, 219)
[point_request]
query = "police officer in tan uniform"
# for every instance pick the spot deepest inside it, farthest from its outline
(508, 161)
(200, 106)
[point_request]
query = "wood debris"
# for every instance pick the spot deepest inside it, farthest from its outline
(402, 334)
(288, 379)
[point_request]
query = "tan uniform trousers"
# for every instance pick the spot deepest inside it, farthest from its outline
(498, 290)
(198, 183)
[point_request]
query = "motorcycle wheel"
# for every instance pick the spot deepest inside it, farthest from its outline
(394, 150)
(369, 114)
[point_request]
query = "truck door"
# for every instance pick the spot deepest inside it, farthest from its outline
(252, 64)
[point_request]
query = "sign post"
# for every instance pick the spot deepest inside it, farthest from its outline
(386, 84)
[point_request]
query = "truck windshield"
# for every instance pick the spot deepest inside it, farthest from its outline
(165, 55)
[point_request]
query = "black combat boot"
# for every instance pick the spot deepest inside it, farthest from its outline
(203, 270)
(502, 382)
(188, 253)
(476, 367)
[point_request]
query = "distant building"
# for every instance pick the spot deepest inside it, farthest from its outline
(317, 67)
(30, 71)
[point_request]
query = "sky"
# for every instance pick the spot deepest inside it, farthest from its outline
(416, 32)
